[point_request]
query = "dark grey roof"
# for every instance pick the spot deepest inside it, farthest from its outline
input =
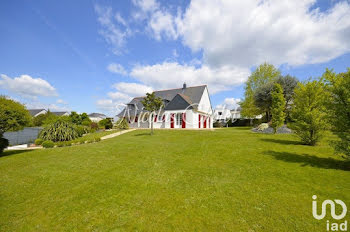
(179, 102)
(97, 115)
(182, 97)
(60, 113)
(34, 112)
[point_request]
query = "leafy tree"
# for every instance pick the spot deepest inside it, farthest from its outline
(13, 116)
(106, 123)
(122, 124)
(152, 104)
(249, 110)
(75, 118)
(338, 105)
(59, 131)
(309, 112)
(288, 84)
(262, 75)
(263, 99)
(278, 107)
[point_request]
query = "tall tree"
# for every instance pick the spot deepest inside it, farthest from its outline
(338, 106)
(249, 110)
(278, 107)
(13, 116)
(263, 100)
(309, 112)
(152, 104)
(262, 75)
(288, 84)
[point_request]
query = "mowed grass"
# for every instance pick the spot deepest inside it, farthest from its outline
(222, 180)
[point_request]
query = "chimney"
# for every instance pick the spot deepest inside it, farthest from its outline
(184, 85)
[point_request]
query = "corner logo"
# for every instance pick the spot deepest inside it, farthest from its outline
(331, 226)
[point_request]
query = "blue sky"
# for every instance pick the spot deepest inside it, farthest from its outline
(93, 56)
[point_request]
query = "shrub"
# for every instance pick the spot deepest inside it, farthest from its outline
(59, 131)
(338, 105)
(97, 139)
(263, 126)
(81, 130)
(106, 123)
(48, 144)
(94, 126)
(217, 124)
(122, 124)
(38, 141)
(68, 144)
(309, 112)
(60, 144)
(3, 144)
(277, 108)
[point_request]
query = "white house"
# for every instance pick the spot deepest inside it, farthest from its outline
(96, 117)
(61, 113)
(37, 112)
(222, 115)
(186, 107)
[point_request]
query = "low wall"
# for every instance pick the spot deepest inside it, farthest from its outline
(27, 135)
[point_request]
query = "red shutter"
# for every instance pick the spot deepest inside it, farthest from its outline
(163, 118)
(136, 119)
(171, 120)
(205, 121)
(199, 121)
(183, 120)
(155, 118)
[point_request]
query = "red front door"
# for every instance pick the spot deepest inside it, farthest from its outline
(199, 121)
(172, 116)
(205, 122)
(183, 120)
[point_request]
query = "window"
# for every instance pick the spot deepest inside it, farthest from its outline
(179, 119)
(159, 118)
(220, 113)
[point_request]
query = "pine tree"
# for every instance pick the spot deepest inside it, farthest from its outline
(278, 107)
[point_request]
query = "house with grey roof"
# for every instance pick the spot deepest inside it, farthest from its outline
(61, 113)
(96, 117)
(186, 107)
(37, 112)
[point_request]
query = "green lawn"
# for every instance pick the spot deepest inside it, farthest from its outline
(227, 179)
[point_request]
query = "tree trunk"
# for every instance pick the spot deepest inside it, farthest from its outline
(151, 124)
(251, 122)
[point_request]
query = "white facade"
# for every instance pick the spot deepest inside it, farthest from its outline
(201, 116)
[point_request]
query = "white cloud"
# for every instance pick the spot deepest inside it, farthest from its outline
(111, 30)
(172, 75)
(60, 101)
(247, 33)
(229, 103)
(117, 68)
(27, 86)
(125, 92)
(163, 23)
(146, 5)
(40, 105)
(133, 89)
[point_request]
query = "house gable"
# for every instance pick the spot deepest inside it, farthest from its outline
(205, 104)
(179, 102)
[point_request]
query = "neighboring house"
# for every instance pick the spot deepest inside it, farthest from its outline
(61, 113)
(36, 112)
(96, 117)
(222, 115)
(236, 113)
(186, 107)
